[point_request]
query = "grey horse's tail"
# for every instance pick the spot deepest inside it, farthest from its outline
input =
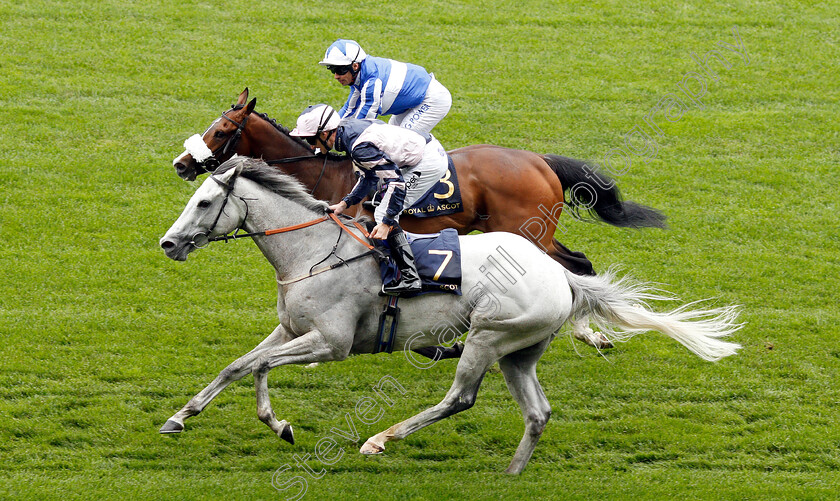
(619, 308)
(594, 192)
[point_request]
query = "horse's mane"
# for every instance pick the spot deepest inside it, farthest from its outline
(284, 130)
(282, 184)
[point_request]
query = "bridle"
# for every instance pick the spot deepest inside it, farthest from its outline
(203, 239)
(211, 163)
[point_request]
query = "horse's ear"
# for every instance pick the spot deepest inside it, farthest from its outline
(231, 172)
(251, 106)
(243, 97)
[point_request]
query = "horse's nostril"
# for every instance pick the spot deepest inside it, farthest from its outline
(183, 170)
(167, 244)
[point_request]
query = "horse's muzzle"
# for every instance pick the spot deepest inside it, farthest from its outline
(186, 169)
(176, 250)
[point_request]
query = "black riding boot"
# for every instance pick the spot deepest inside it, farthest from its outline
(409, 280)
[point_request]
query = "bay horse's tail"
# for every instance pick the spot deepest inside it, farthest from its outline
(612, 303)
(601, 197)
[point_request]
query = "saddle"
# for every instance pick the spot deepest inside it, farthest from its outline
(437, 257)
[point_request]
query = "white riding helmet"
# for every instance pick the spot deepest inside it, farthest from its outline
(316, 119)
(343, 53)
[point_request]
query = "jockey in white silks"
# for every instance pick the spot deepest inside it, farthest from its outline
(407, 165)
(379, 86)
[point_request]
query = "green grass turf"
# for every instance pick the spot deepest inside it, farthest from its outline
(103, 338)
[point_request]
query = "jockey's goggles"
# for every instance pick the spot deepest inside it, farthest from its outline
(339, 70)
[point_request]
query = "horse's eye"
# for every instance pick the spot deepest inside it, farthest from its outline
(220, 134)
(204, 204)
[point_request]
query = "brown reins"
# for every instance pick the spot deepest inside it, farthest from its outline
(203, 239)
(286, 229)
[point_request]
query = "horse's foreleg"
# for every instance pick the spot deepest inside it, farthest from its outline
(233, 372)
(311, 347)
(266, 414)
(441, 352)
(461, 396)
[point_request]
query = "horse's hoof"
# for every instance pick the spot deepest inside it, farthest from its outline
(287, 433)
(595, 339)
(601, 342)
(371, 448)
(171, 426)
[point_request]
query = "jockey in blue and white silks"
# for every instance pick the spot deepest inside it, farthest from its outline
(407, 165)
(379, 86)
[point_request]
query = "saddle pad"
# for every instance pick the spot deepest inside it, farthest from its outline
(438, 260)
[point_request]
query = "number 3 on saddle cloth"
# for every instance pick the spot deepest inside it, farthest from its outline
(442, 199)
(438, 260)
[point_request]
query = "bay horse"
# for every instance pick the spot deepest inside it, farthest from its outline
(502, 189)
(329, 316)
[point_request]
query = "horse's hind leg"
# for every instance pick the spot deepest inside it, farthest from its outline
(577, 263)
(519, 369)
(574, 261)
(582, 332)
(461, 396)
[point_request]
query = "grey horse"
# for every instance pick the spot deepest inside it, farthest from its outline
(514, 302)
